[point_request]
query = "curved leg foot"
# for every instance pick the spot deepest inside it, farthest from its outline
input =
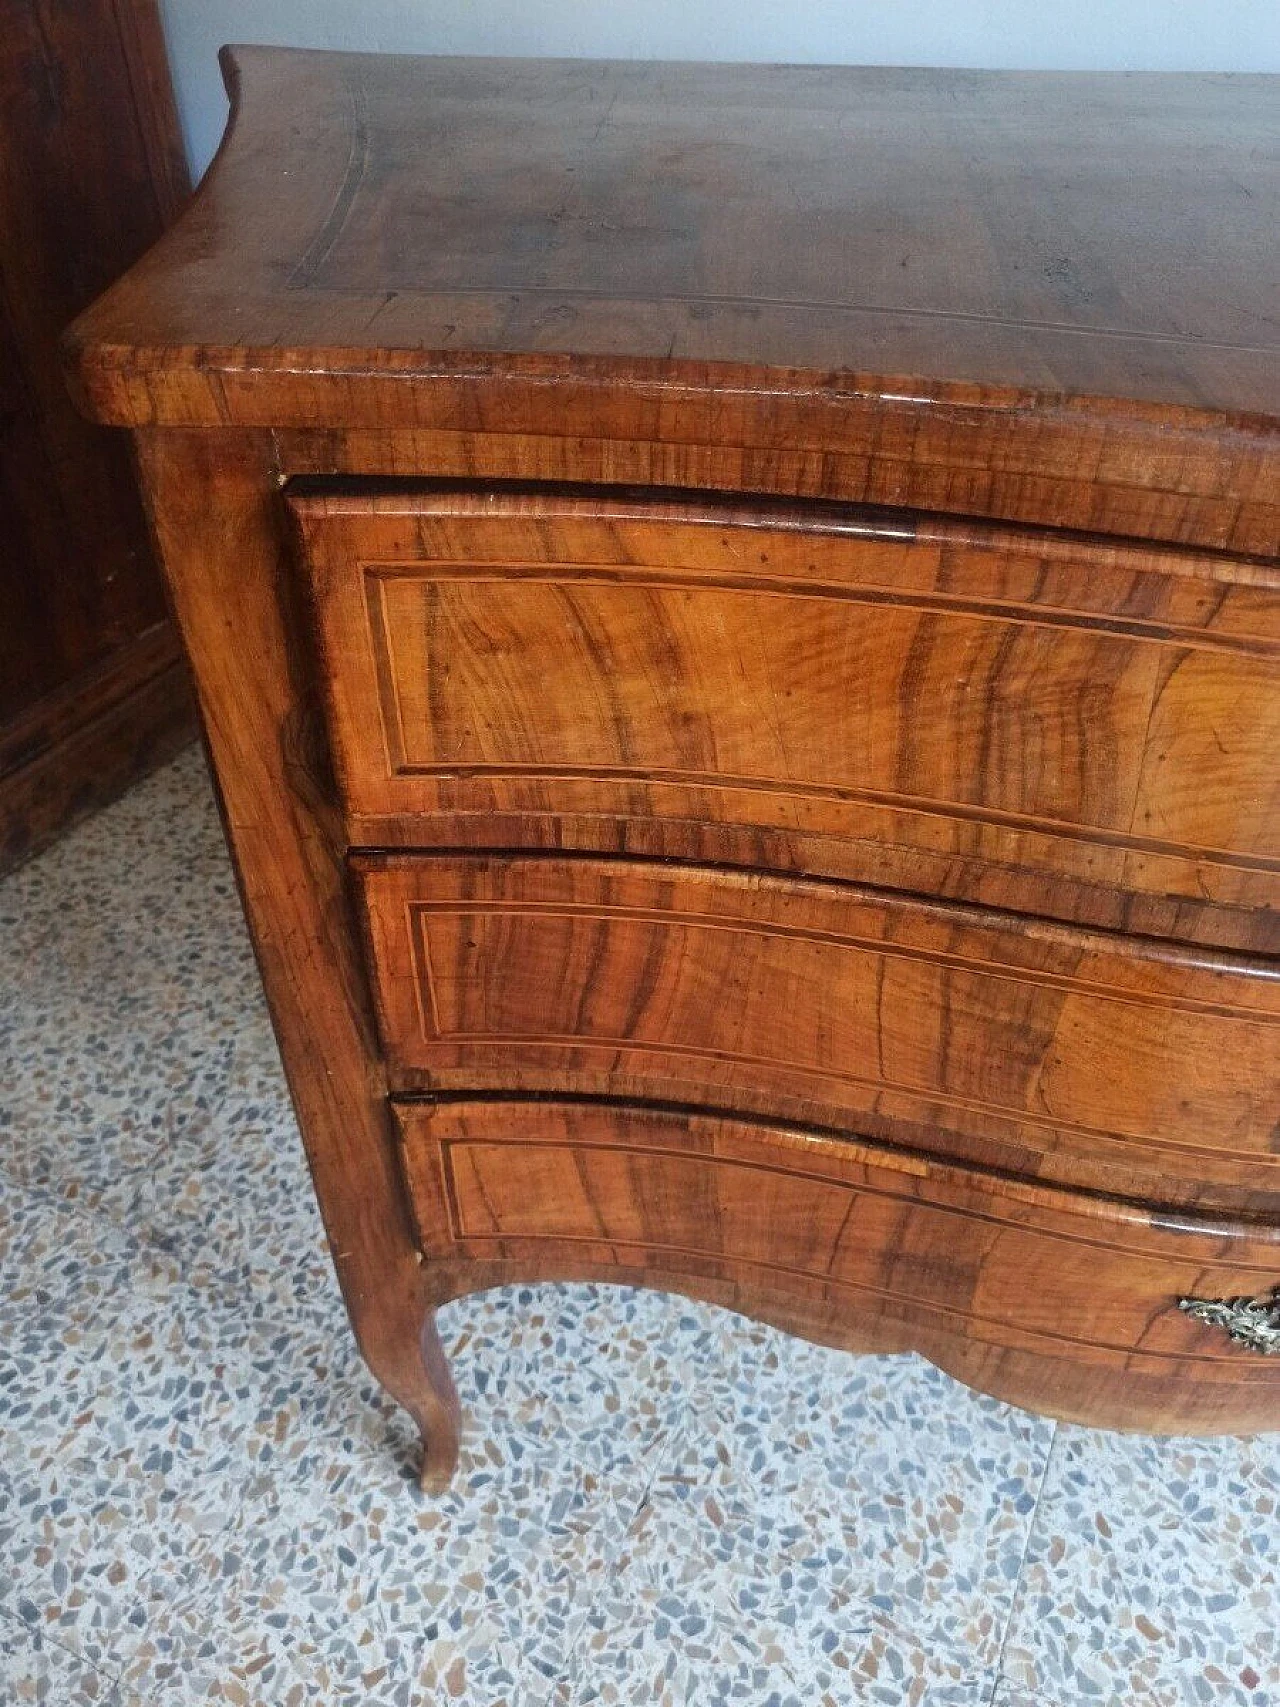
(395, 1328)
(437, 1413)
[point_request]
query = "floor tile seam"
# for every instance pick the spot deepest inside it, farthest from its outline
(875, 1616)
(1016, 1597)
(113, 1380)
(16, 1623)
(570, 1670)
(123, 1174)
(90, 1215)
(129, 1236)
(176, 1605)
(1037, 1698)
(130, 1245)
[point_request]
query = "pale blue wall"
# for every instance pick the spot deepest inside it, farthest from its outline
(1123, 35)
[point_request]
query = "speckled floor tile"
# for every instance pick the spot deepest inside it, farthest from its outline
(1013, 1695)
(821, 1526)
(146, 1084)
(1153, 1574)
(204, 1495)
(338, 1577)
(234, 1206)
(133, 1409)
(130, 1011)
(591, 1367)
(361, 1581)
(64, 1271)
(687, 1650)
(35, 1669)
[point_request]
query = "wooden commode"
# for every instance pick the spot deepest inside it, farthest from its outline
(737, 618)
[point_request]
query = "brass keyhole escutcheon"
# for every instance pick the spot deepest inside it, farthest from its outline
(1251, 1322)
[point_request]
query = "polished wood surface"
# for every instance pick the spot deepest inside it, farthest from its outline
(1037, 296)
(950, 1259)
(213, 505)
(1069, 724)
(1100, 1059)
(92, 690)
(713, 813)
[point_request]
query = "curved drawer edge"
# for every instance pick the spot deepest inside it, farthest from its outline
(1063, 1303)
(1145, 1070)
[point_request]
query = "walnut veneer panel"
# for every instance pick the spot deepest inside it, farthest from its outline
(1098, 1059)
(957, 1263)
(1065, 724)
(1074, 273)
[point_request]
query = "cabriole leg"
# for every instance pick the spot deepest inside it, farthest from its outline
(438, 1415)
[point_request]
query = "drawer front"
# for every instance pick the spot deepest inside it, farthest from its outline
(1041, 723)
(564, 1188)
(1043, 1048)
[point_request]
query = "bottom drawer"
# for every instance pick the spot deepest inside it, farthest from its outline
(1065, 1302)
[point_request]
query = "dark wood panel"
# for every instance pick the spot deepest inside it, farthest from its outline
(77, 749)
(1089, 1288)
(90, 167)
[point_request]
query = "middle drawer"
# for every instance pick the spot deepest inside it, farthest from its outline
(1130, 1065)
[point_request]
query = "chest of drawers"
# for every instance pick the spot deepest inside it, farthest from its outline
(737, 618)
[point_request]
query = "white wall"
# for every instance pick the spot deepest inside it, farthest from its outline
(1124, 35)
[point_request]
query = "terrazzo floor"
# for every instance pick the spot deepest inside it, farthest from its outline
(203, 1497)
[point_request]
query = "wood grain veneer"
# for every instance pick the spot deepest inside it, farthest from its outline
(736, 616)
(946, 1258)
(927, 271)
(1094, 722)
(1111, 1062)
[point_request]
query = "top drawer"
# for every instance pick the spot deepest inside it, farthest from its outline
(1042, 722)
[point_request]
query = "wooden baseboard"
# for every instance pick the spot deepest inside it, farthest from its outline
(78, 748)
